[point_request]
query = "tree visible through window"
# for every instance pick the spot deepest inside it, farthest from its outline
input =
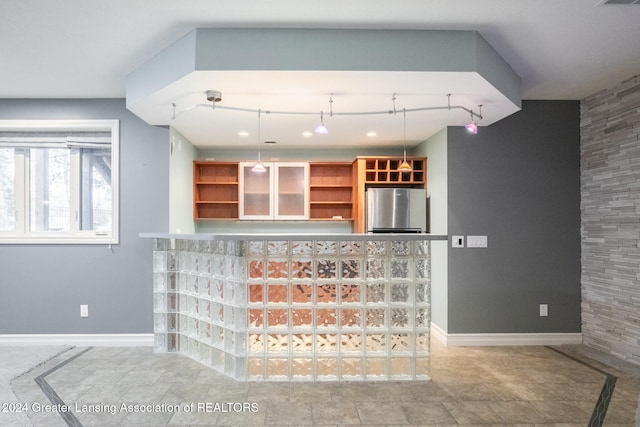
(96, 196)
(49, 192)
(58, 181)
(7, 190)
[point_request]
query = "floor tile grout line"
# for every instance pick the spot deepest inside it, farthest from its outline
(582, 362)
(68, 417)
(30, 370)
(604, 398)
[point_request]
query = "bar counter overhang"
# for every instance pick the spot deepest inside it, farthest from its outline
(316, 307)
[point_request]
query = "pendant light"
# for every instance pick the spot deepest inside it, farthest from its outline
(321, 129)
(259, 167)
(404, 166)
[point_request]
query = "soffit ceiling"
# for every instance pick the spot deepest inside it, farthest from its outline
(85, 49)
(368, 87)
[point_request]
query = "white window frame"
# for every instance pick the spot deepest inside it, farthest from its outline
(22, 234)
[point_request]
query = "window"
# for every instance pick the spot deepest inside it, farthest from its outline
(59, 181)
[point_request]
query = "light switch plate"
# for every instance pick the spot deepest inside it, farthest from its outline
(457, 241)
(477, 241)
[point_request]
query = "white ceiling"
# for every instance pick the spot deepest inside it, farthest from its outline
(565, 49)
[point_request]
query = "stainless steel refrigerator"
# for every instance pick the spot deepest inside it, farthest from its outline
(396, 210)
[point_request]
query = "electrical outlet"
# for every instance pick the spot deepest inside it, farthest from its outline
(544, 310)
(84, 310)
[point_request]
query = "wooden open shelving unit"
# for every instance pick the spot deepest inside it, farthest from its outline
(383, 172)
(215, 190)
(336, 189)
(331, 191)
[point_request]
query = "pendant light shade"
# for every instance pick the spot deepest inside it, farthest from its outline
(321, 129)
(405, 166)
(258, 167)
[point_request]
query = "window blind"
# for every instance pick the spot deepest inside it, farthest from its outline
(55, 139)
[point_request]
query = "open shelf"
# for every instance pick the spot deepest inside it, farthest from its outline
(331, 191)
(216, 210)
(215, 190)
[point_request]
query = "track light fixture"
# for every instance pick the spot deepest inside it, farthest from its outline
(214, 96)
(331, 113)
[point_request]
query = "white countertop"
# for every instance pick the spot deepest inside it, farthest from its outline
(295, 236)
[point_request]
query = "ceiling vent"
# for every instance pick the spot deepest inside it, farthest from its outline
(619, 3)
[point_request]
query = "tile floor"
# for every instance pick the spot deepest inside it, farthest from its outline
(470, 386)
(15, 361)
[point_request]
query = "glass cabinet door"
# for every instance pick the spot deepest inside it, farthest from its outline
(256, 192)
(292, 194)
(279, 193)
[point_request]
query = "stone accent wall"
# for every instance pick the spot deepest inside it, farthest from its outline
(610, 205)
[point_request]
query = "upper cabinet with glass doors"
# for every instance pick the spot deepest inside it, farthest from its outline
(278, 192)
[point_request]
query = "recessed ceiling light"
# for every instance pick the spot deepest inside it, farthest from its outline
(372, 133)
(243, 134)
(307, 134)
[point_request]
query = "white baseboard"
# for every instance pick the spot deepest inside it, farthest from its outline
(462, 340)
(438, 333)
(80, 340)
(146, 340)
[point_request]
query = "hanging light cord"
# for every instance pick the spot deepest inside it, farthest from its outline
(404, 134)
(259, 112)
(404, 125)
(404, 166)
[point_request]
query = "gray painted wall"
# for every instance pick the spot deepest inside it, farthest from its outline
(181, 183)
(42, 286)
(435, 150)
(518, 182)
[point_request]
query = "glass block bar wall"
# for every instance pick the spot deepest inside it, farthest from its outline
(301, 310)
